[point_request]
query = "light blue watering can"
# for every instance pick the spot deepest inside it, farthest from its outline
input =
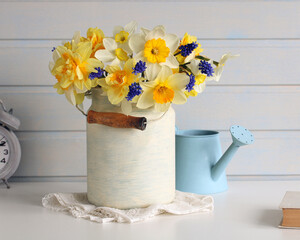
(200, 166)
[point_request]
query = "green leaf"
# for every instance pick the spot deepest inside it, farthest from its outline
(186, 68)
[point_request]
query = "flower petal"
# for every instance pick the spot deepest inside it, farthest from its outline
(140, 56)
(115, 95)
(78, 84)
(172, 42)
(88, 84)
(225, 57)
(116, 61)
(178, 81)
(126, 107)
(55, 55)
(157, 32)
(110, 44)
(164, 73)
(194, 66)
(137, 43)
(146, 99)
(104, 55)
(171, 62)
(92, 63)
(200, 88)
(190, 57)
(131, 27)
(152, 71)
(84, 50)
(179, 97)
(76, 38)
(51, 65)
(148, 85)
(112, 68)
(70, 96)
(125, 47)
(102, 82)
(130, 63)
(144, 31)
(161, 107)
(79, 73)
(79, 97)
(65, 83)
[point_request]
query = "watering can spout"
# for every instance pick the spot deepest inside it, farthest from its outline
(240, 137)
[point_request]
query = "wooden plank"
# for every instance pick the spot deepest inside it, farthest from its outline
(41, 108)
(273, 153)
(272, 62)
(44, 20)
(63, 154)
(259, 108)
(52, 154)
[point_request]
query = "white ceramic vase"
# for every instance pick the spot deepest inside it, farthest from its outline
(130, 168)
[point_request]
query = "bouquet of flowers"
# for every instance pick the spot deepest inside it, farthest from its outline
(150, 69)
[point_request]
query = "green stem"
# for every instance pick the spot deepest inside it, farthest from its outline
(184, 64)
(186, 68)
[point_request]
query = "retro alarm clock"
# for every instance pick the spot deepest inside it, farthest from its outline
(10, 150)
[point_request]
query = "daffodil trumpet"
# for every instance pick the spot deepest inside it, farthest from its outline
(150, 69)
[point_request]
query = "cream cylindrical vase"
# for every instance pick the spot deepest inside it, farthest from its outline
(130, 168)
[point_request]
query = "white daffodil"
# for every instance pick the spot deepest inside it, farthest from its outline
(112, 53)
(199, 76)
(219, 69)
(165, 89)
(156, 48)
(122, 35)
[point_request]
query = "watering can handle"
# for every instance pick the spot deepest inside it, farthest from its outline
(117, 120)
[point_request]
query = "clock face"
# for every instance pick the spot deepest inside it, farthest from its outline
(4, 151)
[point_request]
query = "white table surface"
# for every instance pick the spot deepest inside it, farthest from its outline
(248, 210)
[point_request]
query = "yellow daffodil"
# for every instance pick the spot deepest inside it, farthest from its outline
(73, 44)
(165, 89)
(95, 36)
(218, 70)
(156, 48)
(72, 96)
(116, 84)
(151, 69)
(112, 53)
(72, 69)
(187, 39)
(122, 35)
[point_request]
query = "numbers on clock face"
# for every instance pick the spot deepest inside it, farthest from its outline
(4, 151)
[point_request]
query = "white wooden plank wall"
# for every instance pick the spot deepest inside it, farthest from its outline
(260, 90)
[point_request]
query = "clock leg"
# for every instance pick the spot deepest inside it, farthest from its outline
(6, 183)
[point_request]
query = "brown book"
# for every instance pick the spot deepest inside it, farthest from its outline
(290, 206)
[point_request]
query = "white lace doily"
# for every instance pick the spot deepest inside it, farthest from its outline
(78, 206)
